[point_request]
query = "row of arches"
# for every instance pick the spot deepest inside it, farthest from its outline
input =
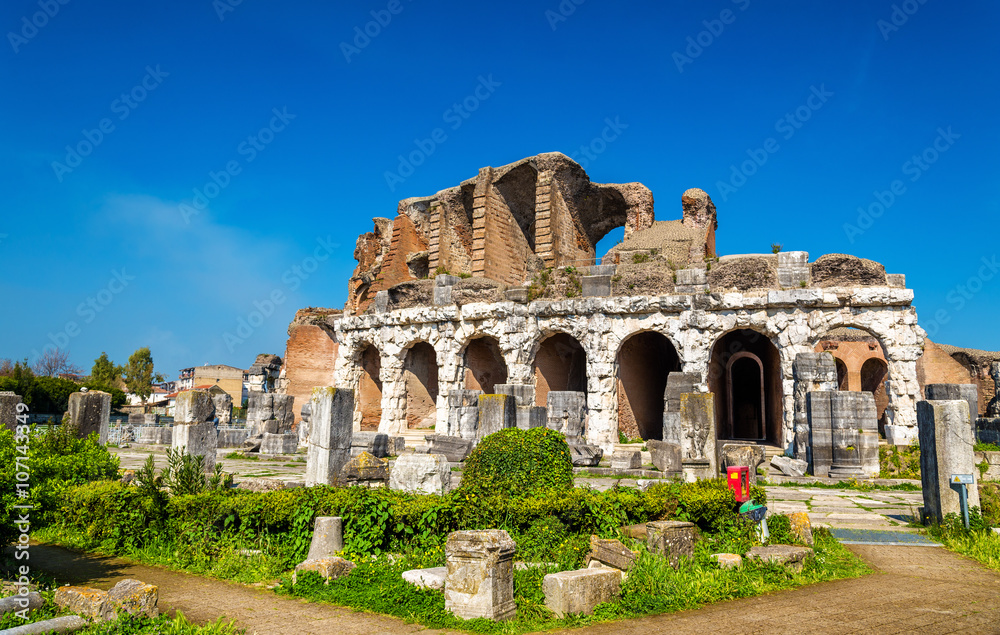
(744, 373)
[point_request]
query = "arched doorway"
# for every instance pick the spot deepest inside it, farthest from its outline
(745, 376)
(559, 364)
(484, 365)
(874, 372)
(420, 371)
(841, 373)
(644, 361)
(370, 388)
(861, 365)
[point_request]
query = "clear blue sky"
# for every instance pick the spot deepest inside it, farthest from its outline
(183, 93)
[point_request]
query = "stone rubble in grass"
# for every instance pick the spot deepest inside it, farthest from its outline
(330, 568)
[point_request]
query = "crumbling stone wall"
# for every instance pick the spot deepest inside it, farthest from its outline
(842, 270)
(310, 355)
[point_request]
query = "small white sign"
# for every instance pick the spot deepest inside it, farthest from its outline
(962, 478)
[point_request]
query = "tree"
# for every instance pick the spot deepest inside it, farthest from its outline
(6, 367)
(105, 371)
(139, 376)
(53, 362)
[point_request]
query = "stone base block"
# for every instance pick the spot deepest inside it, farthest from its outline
(697, 469)
(155, 435)
(197, 439)
(900, 435)
(329, 568)
(666, 456)
(743, 455)
(788, 555)
(454, 449)
(572, 592)
(480, 579)
(585, 455)
(672, 539)
(232, 437)
(279, 443)
(529, 417)
(626, 460)
(432, 578)
(365, 469)
(596, 286)
(421, 474)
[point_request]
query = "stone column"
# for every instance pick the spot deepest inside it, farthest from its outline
(89, 412)
(566, 412)
(8, 409)
(193, 431)
(854, 434)
(480, 578)
(677, 384)
(945, 448)
(393, 395)
(223, 408)
(496, 412)
(811, 371)
(951, 392)
(331, 425)
(697, 417)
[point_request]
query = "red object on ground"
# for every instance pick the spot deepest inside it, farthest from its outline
(738, 479)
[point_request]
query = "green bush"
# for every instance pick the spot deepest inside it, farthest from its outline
(519, 463)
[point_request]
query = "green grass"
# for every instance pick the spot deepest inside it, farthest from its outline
(652, 587)
(854, 484)
(986, 447)
(982, 546)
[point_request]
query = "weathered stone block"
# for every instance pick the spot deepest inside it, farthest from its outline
(381, 301)
(602, 270)
(279, 443)
(223, 404)
(567, 413)
(811, 371)
(793, 268)
(366, 469)
(332, 428)
(197, 439)
(945, 448)
(692, 277)
(529, 417)
(330, 568)
(672, 539)
(480, 579)
(789, 466)
(790, 556)
(283, 407)
(801, 527)
(432, 578)
(897, 280)
(666, 456)
(84, 601)
(327, 538)
(155, 435)
(421, 474)
(950, 392)
(89, 412)
(572, 592)
(229, 437)
(595, 286)
(517, 295)
(8, 409)
(463, 421)
(523, 394)
(698, 425)
(376, 443)
(728, 560)
(611, 553)
(194, 406)
(133, 597)
(453, 448)
(442, 295)
(900, 435)
(445, 280)
(677, 385)
(496, 412)
(743, 455)
(626, 460)
(585, 455)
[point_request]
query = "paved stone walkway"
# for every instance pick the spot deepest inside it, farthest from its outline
(845, 508)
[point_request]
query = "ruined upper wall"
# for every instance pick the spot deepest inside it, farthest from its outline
(503, 224)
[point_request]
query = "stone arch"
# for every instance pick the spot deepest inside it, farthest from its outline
(483, 363)
(862, 363)
(643, 361)
(841, 373)
(745, 374)
(559, 363)
(420, 377)
(369, 396)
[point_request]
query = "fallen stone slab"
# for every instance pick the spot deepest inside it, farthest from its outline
(789, 555)
(672, 539)
(585, 455)
(16, 603)
(455, 449)
(610, 552)
(365, 468)
(133, 597)
(330, 568)
(421, 474)
(64, 624)
(789, 466)
(432, 578)
(572, 592)
(626, 460)
(85, 601)
(728, 560)
(665, 456)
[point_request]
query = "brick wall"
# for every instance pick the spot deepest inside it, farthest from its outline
(936, 366)
(310, 357)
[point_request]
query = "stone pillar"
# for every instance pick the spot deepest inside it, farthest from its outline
(496, 412)
(697, 419)
(8, 409)
(993, 407)
(463, 413)
(528, 415)
(480, 578)
(327, 538)
(811, 371)
(223, 408)
(567, 413)
(854, 434)
(945, 448)
(951, 392)
(89, 412)
(331, 425)
(193, 432)
(819, 412)
(677, 384)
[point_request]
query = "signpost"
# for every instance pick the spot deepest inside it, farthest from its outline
(963, 481)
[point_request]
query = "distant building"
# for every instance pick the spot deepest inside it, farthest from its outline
(185, 381)
(228, 378)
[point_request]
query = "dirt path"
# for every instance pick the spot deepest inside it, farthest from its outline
(916, 589)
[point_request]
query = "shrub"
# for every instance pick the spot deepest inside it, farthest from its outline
(710, 504)
(519, 463)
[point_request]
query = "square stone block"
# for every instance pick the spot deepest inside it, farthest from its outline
(571, 592)
(672, 539)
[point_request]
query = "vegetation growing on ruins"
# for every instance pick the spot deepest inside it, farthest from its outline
(899, 461)
(519, 463)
